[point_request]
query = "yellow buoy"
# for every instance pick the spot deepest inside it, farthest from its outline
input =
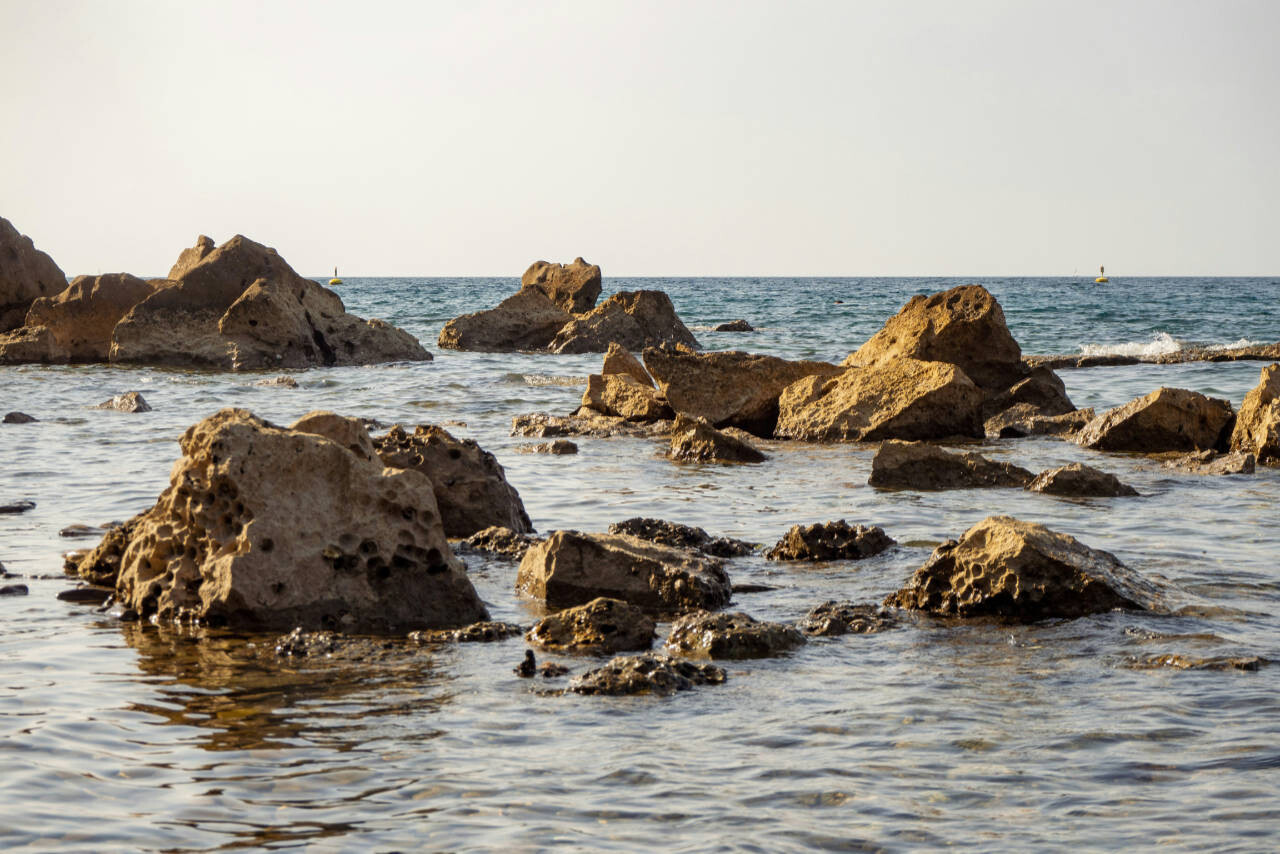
(335, 280)
(1102, 275)
(1100, 279)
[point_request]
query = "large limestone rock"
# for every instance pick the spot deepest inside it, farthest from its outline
(897, 399)
(963, 326)
(632, 319)
(267, 527)
(191, 257)
(526, 320)
(919, 465)
(732, 636)
(30, 345)
(571, 569)
(470, 485)
(1257, 429)
(626, 397)
(1023, 571)
(619, 360)
(693, 440)
(1078, 480)
(575, 287)
(26, 274)
(602, 626)
(830, 541)
(1167, 419)
(82, 318)
(242, 307)
(731, 388)
(101, 565)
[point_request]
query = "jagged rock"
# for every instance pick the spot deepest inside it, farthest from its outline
(284, 381)
(471, 487)
(30, 345)
(559, 447)
(919, 465)
(584, 422)
(681, 537)
(262, 526)
(1213, 463)
(19, 418)
(348, 432)
(619, 360)
(570, 569)
(963, 326)
(191, 257)
(482, 632)
(575, 287)
(500, 541)
(830, 541)
(693, 440)
(896, 399)
(1043, 392)
(648, 673)
(736, 636)
(26, 274)
(1081, 481)
(602, 626)
(526, 320)
(1167, 419)
(632, 319)
(101, 564)
(626, 397)
(15, 507)
(130, 401)
(1019, 570)
(82, 318)
(728, 388)
(735, 326)
(1257, 429)
(1024, 419)
(833, 618)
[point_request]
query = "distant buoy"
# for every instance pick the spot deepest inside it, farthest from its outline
(1102, 275)
(335, 280)
(1100, 280)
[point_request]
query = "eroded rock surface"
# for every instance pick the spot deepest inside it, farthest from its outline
(526, 320)
(584, 422)
(694, 440)
(1024, 419)
(1214, 463)
(1257, 429)
(190, 257)
(1079, 480)
(624, 396)
(82, 318)
(500, 541)
(620, 360)
(681, 537)
(101, 564)
(601, 626)
(484, 631)
(26, 274)
(632, 319)
(648, 673)
(1167, 419)
(833, 618)
(130, 401)
(830, 541)
(919, 465)
(733, 636)
(574, 287)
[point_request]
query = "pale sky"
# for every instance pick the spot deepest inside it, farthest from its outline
(939, 137)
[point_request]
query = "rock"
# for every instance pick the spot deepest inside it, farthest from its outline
(602, 626)
(1257, 429)
(736, 636)
(1024, 419)
(728, 388)
(15, 507)
(1042, 392)
(626, 397)
(500, 541)
(559, 447)
(83, 317)
(631, 319)
(471, 487)
(619, 360)
(575, 288)
(130, 401)
(833, 618)
(19, 418)
(1213, 463)
(647, 673)
(191, 257)
(26, 274)
(963, 326)
(585, 422)
(30, 345)
(1008, 568)
(482, 632)
(14, 590)
(693, 440)
(572, 569)
(1079, 480)
(86, 595)
(82, 531)
(350, 433)
(284, 381)
(735, 326)
(1167, 419)
(1247, 664)
(902, 399)
(262, 526)
(100, 565)
(526, 320)
(681, 537)
(919, 465)
(830, 541)
(241, 307)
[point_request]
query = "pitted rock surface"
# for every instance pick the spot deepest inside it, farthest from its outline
(830, 541)
(482, 632)
(82, 318)
(602, 626)
(732, 636)
(919, 465)
(648, 673)
(101, 564)
(833, 618)
(1257, 429)
(681, 537)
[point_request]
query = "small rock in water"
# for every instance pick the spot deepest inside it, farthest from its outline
(19, 418)
(681, 536)
(737, 635)
(1213, 463)
(21, 506)
(482, 632)
(1182, 662)
(1079, 480)
(735, 326)
(284, 381)
(86, 595)
(647, 673)
(847, 618)
(81, 531)
(602, 626)
(559, 447)
(830, 541)
(14, 590)
(500, 541)
(528, 667)
(130, 401)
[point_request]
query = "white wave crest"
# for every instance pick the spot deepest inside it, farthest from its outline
(1160, 343)
(1234, 345)
(550, 379)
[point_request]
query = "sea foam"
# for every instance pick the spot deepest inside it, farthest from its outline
(1159, 344)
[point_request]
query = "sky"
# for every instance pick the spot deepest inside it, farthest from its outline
(798, 138)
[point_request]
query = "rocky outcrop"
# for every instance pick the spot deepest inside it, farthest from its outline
(30, 345)
(1004, 567)
(631, 319)
(1246, 352)
(833, 618)
(681, 537)
(647, 673)
(26, 274)
(262, 526)
(733, 636)
(693, 440)
(624, 396)
(499, 541)
(575, 287)
(896, 399)
(130, 401)
(585, 422)
(1214, 463)
(728, 388)
(1167, 419)
(1041, 392)
(830, 541)
(1257, 429)
(191, 257)
(526, 320)
(82, 318)
(1024, 419)
(600, 627)
(572, 569)
(470, 486)
(619, 360)
(919, 465)
(1080, 481)
(101, 565)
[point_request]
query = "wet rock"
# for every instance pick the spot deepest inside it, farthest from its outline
(648, 673)
(570, 569)
(82, 318)
(728, 389)
(919, 465)
(584, 422)
(1257, 429)
(481, 632)
(632, 319)
(1024, 419)
(559, 447)
(602, 626)
(26, 274)
(19, 418)
(528, 667)
(72, 531)
(471, 487)
(500, 541)
(626, 397)
(1082, 481)
(86, 595)
(833, 618)
(284, 381)
(551, 670)
(830, 541)
(735, 326)
(681, 537)
(1181, 662)
(1213, 463)
(14, 590)
(1041, 392)
(895, 399)
(619, 360)
(262, 526)
(190, 257)
(735, 636)
(130, 401)
(29, 345)
(574, 287)
(1167, 419)
(22, 505)
(526, 320)
(1004, 567)
(101, 565)
(694, 440)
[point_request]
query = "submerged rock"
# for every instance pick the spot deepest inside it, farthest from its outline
(681, 537)
(481, 632)
(830, 541)
(735, 326)
(602, 626)
(283, 381)
(833, 618)
(736, 636)
(19, 418)
(1213, 463)
(130, 401)
(500, 541)
(26, 274)
(574, 287)
(559, 448)
(1248, 663)
(22, 505)
(14, 590)
(585, 422)
(693, 440)
(1167, 419)
(526, 320)
(648, 673)
(1079, 480)
(919, 465)
(1257, 429)
(631, 319)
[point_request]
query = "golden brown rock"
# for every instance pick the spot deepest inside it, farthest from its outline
(732, 636)
(646, 673)
(693, 440)
(191, 257)
(26, 274)
(82, 317)
(1079, 480)
(526, 320)
(830, 541)
(619, 360)
(30, 345)
(348, 432)
(626, 397)
(1167, 419)
(1257, 429)
(1023, 419)
(574, 287)
(601, 626)
(632, 319)
(920, 465)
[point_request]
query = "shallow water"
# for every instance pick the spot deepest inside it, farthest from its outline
(984, 736)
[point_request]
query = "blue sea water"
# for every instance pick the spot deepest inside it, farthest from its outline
(979, 736)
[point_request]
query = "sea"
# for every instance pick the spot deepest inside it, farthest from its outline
(1087, 734)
